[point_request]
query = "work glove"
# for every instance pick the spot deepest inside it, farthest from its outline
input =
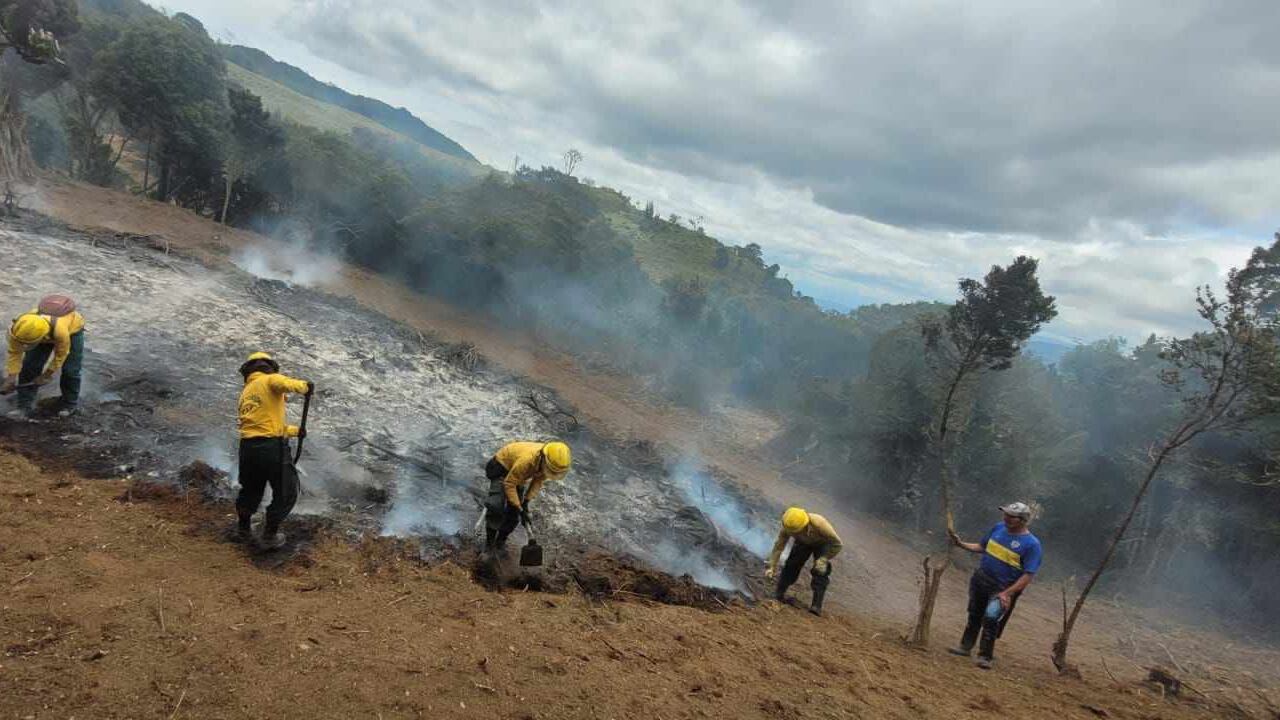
(769, 572)
(524, 515)
(822, 566)
(9, 385)
(311, 388)
(44, 377)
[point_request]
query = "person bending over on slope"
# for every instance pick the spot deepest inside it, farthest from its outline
(264, 447)
(516, 474)
(54, 328)
(812, 536)
(1010, 559)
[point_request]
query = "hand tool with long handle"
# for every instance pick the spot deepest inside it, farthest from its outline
(302, 426)
(19, 387)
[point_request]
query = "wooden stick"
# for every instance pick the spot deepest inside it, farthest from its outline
(1104, 663)
(1172, 658)
(175, 707)
(161, 606)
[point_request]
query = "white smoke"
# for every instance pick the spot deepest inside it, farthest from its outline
(296, 261)
(729, 515)
(679, 560)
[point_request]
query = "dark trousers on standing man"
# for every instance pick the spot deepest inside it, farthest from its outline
(263, 462)
(500, 517)
(796, 559)
(33, 363)
(982, 588)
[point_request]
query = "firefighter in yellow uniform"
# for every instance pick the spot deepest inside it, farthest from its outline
(516, 474)
(53, 328)
(811, 536)
(264, 447)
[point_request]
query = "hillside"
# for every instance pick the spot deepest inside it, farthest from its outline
(398, 120)
(297, 108)
(124, 601)
(873, 596)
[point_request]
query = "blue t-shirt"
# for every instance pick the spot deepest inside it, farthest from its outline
(1006, 556)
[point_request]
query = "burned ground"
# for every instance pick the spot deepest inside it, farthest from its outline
(400, 427)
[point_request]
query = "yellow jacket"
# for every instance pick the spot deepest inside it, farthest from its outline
(60, 335)
(817, 532)
(262, 405)
(523, 461)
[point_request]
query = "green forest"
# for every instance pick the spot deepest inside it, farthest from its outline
(612, 280)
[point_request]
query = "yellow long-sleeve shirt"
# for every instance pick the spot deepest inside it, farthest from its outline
(523, 461)
(817, 532)
(262, 405)
(60, 336)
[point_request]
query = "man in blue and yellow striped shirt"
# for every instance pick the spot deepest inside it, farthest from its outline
(1010, 559)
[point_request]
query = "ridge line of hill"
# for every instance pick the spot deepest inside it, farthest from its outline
(397, 119)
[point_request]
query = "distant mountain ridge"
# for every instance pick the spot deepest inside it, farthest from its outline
(398, 119)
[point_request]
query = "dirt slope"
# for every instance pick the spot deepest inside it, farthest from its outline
(877, 575)
(119, 609)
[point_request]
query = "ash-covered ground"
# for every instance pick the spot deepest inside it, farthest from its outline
(400, 427)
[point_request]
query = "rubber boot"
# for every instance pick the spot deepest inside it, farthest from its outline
(815, 605)
(272, 538)
(244, 527)
(819, 585)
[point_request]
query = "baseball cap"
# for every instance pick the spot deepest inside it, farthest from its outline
(1017, 509)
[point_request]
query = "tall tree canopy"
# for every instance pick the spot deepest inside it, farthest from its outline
(167, 83)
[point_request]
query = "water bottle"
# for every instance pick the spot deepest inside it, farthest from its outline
(994, 609)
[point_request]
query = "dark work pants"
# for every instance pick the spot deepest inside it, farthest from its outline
(796, 559)
(982, 588)
(501, 517)
(263, 462)
(33, 363)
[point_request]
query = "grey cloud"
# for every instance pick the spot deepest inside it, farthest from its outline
(1032, 117)
(878, 151)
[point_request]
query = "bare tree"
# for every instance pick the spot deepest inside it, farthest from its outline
(572, 159)
(1228, 377)
(983, 331)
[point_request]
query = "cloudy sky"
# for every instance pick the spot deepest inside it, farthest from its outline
(878, 150)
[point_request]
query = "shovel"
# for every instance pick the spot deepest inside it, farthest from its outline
(531, 553)
(21, 386)
(302, 426)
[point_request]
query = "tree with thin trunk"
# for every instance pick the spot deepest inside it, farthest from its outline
(983, 331)
(166, 81)
(572, 159)
(1227, 377)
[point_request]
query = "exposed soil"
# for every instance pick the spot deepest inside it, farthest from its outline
(876, 579)
(117, 607)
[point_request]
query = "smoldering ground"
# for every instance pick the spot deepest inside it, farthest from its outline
(397, 435)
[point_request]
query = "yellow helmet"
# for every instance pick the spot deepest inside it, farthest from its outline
(794, 520)
(558, 459)
(29, 329)
(255, 363)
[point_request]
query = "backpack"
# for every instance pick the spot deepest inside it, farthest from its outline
(56, 306)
